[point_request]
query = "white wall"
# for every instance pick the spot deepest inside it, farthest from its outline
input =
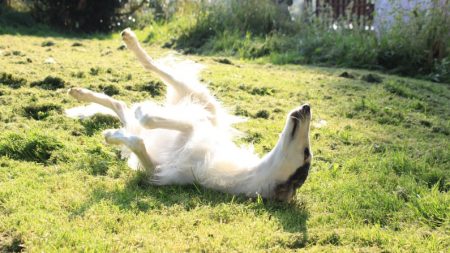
(386, 11)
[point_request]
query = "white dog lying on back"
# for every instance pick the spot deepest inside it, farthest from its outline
(189, 138)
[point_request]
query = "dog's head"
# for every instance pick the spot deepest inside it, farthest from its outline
(296, 153)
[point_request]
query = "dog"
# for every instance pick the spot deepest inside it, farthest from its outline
(189, 139)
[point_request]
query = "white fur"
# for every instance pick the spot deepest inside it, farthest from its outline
(190, 139)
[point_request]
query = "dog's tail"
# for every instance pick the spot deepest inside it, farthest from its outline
(81, 112)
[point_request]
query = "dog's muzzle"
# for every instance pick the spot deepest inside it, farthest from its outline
(303, 112)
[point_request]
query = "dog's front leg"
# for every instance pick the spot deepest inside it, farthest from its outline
(153, 122)
(164, 120)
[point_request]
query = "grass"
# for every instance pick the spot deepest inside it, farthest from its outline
(378, 183)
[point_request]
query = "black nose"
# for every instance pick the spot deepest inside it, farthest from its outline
(306, 109)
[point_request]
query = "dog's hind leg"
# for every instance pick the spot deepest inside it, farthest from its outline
(134, 143)
(181, 87)
(85, 95)
(147, 62)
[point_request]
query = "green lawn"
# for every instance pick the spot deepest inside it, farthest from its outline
(379, 179)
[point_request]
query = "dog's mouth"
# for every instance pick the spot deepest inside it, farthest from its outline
(301, 115)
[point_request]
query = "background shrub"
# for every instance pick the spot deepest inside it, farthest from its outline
(258, 17)
(78, 15)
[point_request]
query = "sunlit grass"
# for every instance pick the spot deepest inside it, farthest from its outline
(379, 180)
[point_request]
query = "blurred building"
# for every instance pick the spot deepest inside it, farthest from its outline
(375, 15)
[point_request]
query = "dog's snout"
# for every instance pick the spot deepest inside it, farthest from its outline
(306, 108)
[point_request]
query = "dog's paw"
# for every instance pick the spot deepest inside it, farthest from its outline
(129, 37)
(114, 136)
(77, 93)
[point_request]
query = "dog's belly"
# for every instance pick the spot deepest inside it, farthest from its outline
(162, 144)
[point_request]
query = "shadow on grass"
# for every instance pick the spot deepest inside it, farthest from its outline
(140, 196)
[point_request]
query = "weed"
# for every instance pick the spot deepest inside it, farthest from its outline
(263, 114)
(441, 129)
(99, 122)
(372, 78)
(155, 88)
(79, 74)
(94, 71)
(34, 147)
(110, 90)
(50, 83)
(278, 110)
(169, 44)
(333, 239)
(17, 53)
(41, 111)
(263, 91)
(399, 89)
(260, 91)
(47, 43)
(431, 209)
(425, 123)
(99, 160)
(253, 137)
(77, 44)
(11, 244)
(223, 61)
(417, 105)
(345, 74)
(239, 111)
(12, 81)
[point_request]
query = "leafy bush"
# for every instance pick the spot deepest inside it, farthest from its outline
(441, 70)
(13, 18)
(78, 15)
(418, 42)
(257, 17)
